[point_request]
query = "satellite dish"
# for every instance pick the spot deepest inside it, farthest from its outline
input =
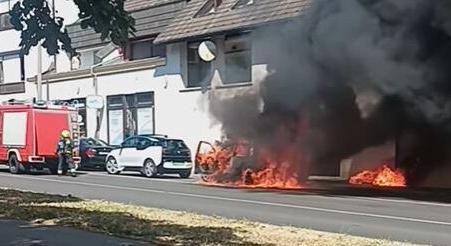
(207, 51)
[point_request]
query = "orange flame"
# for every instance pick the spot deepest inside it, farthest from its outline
(383, 176)
(272, 172)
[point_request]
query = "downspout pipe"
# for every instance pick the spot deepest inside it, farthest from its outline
(95, 84)
(96, 93)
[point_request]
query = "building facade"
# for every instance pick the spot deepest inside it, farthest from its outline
(158, 83)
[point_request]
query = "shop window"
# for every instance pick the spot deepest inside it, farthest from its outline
(144, 99)
(209, 7)
(238, 59)
(146, 49)
(130, 115)
(115, 101)
(115, 126)
(199, 71)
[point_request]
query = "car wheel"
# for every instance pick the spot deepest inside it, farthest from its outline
(185, 174)
(15, 167)
(112, 166)
(150, 169)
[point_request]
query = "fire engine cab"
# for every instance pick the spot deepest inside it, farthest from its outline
(29, 134)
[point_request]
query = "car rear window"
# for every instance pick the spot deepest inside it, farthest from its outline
(94, 142)
(173, 144)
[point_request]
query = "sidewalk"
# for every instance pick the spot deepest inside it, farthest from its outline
(13, 233)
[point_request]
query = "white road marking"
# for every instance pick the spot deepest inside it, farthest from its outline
(357, 198)
(334, 211)
(388, 200)
(405, 201)
(173, 180)
(193, 180)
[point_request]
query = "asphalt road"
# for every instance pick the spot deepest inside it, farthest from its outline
(13, 233)
(402, 215)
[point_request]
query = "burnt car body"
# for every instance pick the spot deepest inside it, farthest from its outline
(93, 153)
(213, 157)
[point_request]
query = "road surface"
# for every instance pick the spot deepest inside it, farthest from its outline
(13, 233)
(344, 210)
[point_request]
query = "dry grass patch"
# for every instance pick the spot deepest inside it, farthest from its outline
(162, 226)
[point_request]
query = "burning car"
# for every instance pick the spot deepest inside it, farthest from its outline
(211, 158)
(240, 163)
(383, 176)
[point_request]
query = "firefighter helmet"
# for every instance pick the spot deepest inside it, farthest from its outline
(65, 134)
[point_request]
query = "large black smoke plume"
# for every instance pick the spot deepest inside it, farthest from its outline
(361, 72)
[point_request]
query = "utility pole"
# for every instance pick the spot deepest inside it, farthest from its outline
(54, 18)
(39, 76)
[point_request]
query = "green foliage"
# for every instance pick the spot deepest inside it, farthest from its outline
(34, 19)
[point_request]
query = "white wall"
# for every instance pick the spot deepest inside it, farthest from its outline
(179, 115)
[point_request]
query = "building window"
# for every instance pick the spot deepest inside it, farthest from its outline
(209, 7)
(238, 59)
(146, 49)
(130, 115)
(2, 73)
(199, 71)
(12, 67)
(5, 23)
(242, 3)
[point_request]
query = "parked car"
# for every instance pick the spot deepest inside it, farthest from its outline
(93, 153)
(151, 155)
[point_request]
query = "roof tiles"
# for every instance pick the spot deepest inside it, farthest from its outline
(134, 5)
(225, 18)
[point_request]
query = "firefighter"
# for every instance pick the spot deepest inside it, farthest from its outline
(65, 151)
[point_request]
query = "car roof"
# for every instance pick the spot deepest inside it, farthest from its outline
(143, 136)
(154, 135)
(159, 137)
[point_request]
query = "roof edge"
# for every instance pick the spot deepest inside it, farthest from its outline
(241, 29)
(125, 67)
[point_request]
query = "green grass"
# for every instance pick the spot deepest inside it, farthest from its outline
(159, 226)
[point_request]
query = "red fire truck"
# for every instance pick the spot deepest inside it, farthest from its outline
(29, 134)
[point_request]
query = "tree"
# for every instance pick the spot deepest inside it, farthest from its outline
(35, 21)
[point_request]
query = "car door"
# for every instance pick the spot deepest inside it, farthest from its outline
(149, 148)
(205, 159)
(127, 152)
(139, 155)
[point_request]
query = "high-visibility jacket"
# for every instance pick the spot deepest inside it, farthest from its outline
(65, 146)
